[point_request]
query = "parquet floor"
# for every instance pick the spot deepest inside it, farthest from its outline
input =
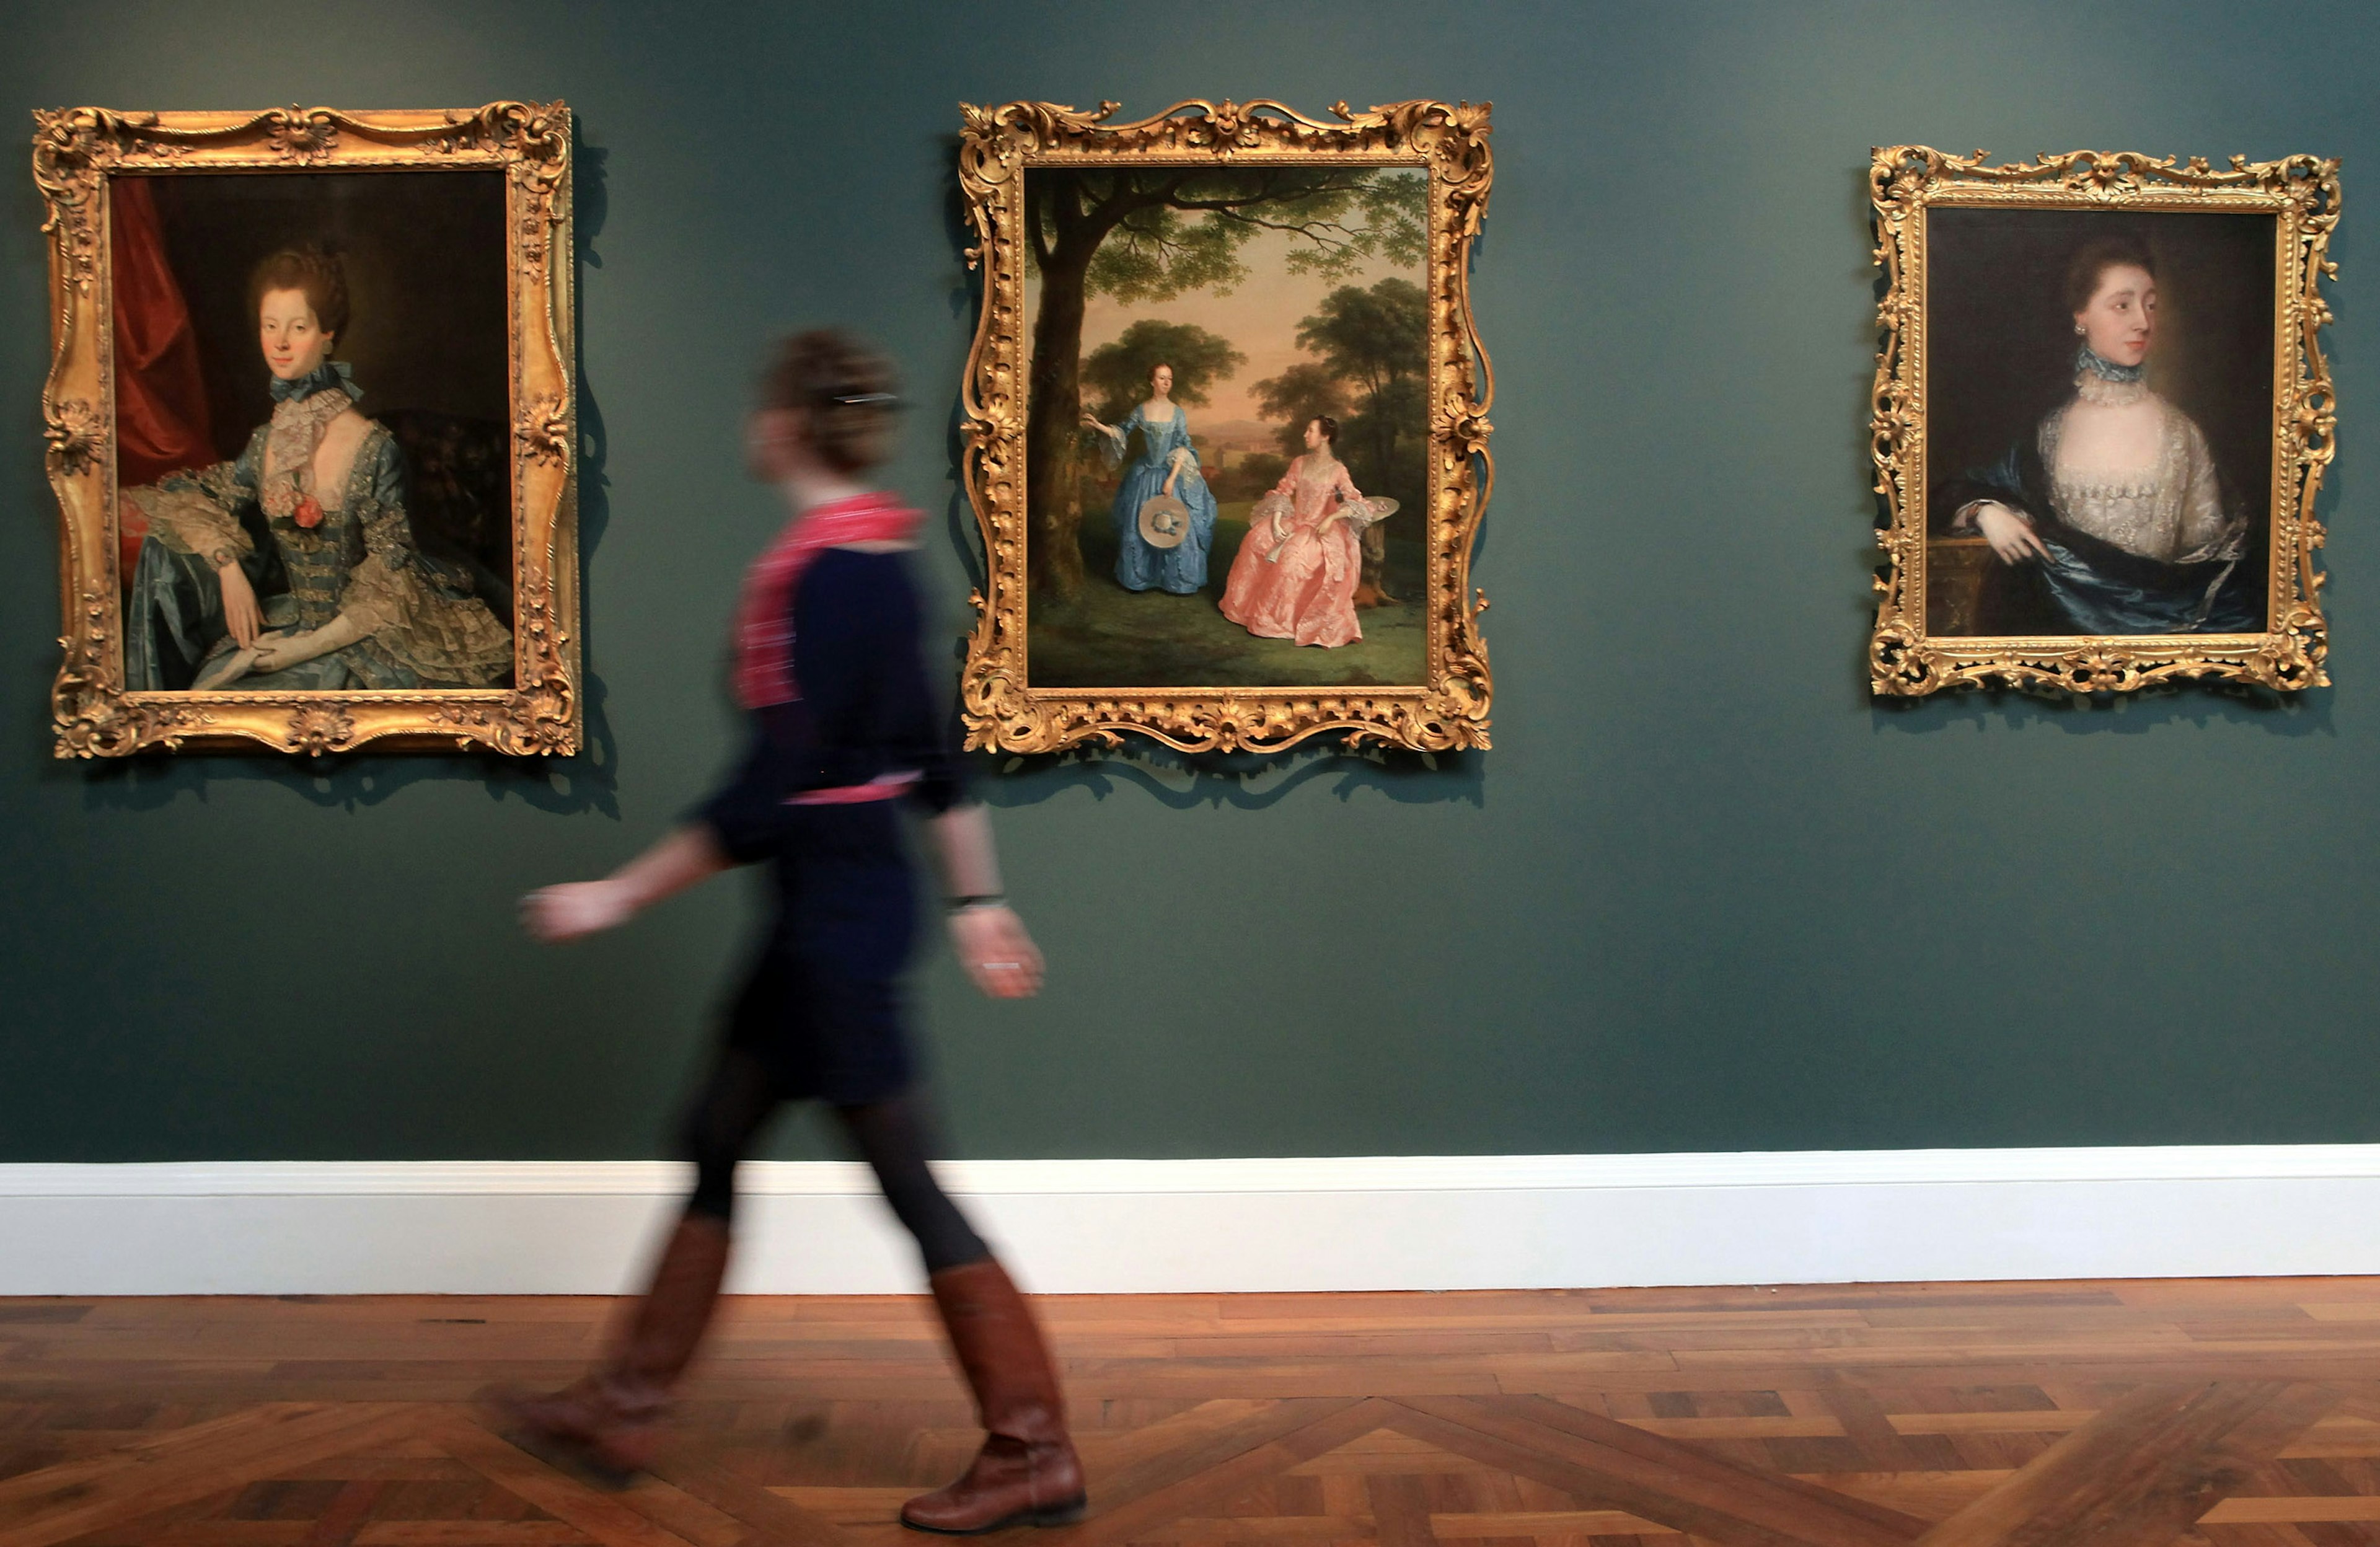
(2232, 1413)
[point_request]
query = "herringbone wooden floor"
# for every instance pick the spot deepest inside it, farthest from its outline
(2233, 1413)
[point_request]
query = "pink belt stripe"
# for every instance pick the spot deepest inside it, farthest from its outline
(884, 787)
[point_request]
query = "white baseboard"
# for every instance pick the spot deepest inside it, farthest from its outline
(1153, 1226)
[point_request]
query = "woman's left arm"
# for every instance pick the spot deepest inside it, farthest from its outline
(1182, 456)
(2206, 523)
(991, 941)
(1349, 496)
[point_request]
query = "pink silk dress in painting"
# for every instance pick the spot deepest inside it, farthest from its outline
(1295, 578)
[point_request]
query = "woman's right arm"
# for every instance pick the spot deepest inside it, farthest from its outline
(688, 857)
(740, 823)
(1286, 491)
(197, 511)
(732, 827)
(1992, 500)
(2005, 528)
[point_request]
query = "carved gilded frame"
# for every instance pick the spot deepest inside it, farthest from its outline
(75, 153)
(1003, 710)
(2302, 194)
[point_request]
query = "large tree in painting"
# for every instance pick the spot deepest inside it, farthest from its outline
(1154, 233)
(1373, 346)
(1115, 376)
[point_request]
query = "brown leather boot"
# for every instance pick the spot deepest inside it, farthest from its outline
(610, 1419)
(1026, 1471)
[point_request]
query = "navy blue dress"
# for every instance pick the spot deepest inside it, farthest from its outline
(821, 1007)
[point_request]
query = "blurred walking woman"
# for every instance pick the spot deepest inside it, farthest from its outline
(844, 728)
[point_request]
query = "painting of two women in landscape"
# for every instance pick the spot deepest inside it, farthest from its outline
(313, 487)
(1227, 424)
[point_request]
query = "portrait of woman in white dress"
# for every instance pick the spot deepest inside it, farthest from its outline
(2107, 514)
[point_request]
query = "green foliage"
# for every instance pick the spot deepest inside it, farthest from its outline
(1373, 348)
(1304, 392)
(1176, 229)
(1115, 376)
(1370, 337)
(1384, 441)
(1251, 476)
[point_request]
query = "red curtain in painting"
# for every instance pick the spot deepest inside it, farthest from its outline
(161, 401)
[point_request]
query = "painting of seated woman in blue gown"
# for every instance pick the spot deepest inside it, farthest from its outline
(2101, 425)
(1186, 328)
(313, 380)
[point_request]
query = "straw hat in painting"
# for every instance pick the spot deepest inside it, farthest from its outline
(1164, 521)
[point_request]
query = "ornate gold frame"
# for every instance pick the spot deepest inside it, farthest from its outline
(76, 151)
(2302, 193)
(1003, 710)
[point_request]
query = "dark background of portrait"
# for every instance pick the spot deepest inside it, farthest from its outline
(427, 332)
(1704, 895)
(2000, 339)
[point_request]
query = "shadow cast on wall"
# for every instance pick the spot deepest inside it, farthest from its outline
(585, 783)
(1248, 781)
(2135, 714)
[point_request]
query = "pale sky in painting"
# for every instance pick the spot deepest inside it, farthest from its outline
(1259, 317)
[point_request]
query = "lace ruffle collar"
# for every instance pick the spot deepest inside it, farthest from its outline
(2109, 394)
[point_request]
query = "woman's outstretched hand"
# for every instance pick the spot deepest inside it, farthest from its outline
(2010, 535)
(996, 952)
(574, 908)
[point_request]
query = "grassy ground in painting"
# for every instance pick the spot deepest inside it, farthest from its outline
(1108, 637)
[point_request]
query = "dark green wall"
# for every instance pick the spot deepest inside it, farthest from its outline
(1702, 895)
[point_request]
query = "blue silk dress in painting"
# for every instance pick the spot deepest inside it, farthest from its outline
(310, 556)
(1182, 569)
(2153, 549)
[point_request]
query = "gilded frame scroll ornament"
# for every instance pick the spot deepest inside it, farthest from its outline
(77, 151)
(1002, 709)
(2302, 194)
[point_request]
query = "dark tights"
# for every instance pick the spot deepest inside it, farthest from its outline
(894, 1137)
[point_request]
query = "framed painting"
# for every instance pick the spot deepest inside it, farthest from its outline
(1226, 426)
(2102, 416)
(311, 429)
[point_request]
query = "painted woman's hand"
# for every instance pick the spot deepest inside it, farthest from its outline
(996, 952)
(277, 652)
(575, 909)
(276, 649)
(2010, 535)
(228, 670)
(240, 612)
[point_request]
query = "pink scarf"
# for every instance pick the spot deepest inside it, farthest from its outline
(764, 622)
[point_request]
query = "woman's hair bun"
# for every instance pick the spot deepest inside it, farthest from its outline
(2095, 257)
(314, 269)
